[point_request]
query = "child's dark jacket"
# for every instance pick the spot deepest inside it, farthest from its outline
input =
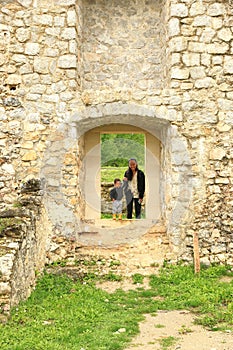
(117, 193)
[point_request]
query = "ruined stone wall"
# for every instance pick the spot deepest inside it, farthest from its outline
(68, 66)
(23, 239)
(201, 73)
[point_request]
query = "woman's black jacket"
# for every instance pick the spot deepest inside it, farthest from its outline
(140, 181)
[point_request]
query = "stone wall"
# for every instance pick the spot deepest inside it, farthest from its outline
(22, 247)
(123, 45)
(68, 66)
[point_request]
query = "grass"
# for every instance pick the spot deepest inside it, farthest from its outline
(108, 174)
(62, 314)
(167, 342)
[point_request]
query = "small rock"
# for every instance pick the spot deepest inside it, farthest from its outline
(120, 330)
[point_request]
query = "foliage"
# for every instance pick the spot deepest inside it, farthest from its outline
(62, 314)
(117, 149)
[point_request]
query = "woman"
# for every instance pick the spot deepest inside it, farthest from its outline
(135, 190)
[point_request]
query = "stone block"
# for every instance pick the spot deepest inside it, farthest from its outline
(207, 35)
(25, 3)
(228, 65)
(225, 34)
(14, 79)
(196, 47)
(32, 49)
(33, 97)
(202, 21)
(29, 156)
(41, 65)
(197, 8)
(178, 10)
(179, 73)
(8, 168)
(67, 61)
(217, 153)
(222, 180)
(68, 33)
(22, 34)
(2, 59)
(191, 59)
(225, 105)
(59, 21)
(217, 48)
(216, 9)
(5, 288)
(27, 145)
(178, 44)
(53, 31)
(204, 83)
(174, 27)
(44, 19)
(51, 52)
(71, 18)
(197, 72)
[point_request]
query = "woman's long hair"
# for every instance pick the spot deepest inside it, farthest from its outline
(129, 170)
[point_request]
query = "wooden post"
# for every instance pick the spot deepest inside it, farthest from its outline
(197, 265)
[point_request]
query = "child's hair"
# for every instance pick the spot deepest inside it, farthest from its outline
(116, 180)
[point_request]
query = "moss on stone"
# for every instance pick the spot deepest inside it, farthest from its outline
(8, 222)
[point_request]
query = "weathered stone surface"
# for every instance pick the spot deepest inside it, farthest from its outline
(178, 44)
(23, 34)
(216, 9)
(14, 79)
(67, 61)
(201, 21)
(197, 8)
(174, 27)
(228, 65)
(28, 156)
(32, 49)
(217, 153)
(8, 168)
(191, 59)
(179, 10)
(178, 73)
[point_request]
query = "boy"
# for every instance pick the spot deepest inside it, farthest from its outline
(116, 195)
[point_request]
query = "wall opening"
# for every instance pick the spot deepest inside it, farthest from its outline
(92, 166)
(116, 150)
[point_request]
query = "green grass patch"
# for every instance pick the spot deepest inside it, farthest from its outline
(62, 314)
(167, 342)
(108, 174)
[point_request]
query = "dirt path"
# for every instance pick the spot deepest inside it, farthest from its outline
(185, 335)
(176, 327)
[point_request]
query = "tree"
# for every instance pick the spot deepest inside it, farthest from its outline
(117, 149)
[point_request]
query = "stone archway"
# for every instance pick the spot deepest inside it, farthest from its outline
(175, 174)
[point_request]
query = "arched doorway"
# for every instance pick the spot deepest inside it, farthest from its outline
(92, 161)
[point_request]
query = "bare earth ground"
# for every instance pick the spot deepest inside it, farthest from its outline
(177, 324)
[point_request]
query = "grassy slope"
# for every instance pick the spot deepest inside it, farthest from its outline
(62, 314)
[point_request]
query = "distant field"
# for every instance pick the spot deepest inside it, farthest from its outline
(108, 174)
